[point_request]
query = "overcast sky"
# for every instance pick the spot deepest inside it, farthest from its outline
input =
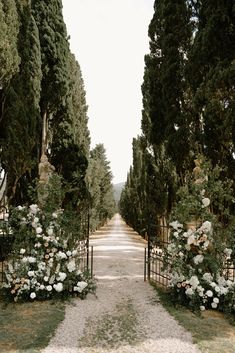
(109, 39)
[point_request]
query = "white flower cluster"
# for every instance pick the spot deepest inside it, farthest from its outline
(45, 266)
(206, 288)
(190, 252)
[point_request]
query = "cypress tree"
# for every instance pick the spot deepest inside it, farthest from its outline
(21, 116)
(70, 140)
(102, 202)
(164, 117)
(55, 55)
(212, 76)
(9, 29)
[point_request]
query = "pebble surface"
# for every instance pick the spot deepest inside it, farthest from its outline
(125, 316)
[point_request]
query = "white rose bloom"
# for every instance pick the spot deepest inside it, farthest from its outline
(74, 252)
(38, 230)
(214, 305)
(54, 215)
(22, 251)
(33, 295)
(31, 273)
(189, 291)
(81, 285)
(61, 276)
(68, 253)
(58, 287)
(50, 231)
(34, 208)
(205, 202)
(216, 300)
(61, 255)
(24, 260)
(32, 259)
(42, 287)
(223, 291)
(202, 308)
(20, 208)
(207, 277)
(206, 226)
(49, 288)
(191, 239)
(209, 293)
(217, 289)
(176, 225)
(46, 278)
(194, 282)
(71, 266)
(198, 259)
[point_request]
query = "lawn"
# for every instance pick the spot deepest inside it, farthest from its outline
(211, 331)
(28, 327)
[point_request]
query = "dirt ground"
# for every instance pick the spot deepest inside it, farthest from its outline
(125, 316)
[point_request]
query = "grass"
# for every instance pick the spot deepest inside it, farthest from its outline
(211, 330)
(28, 327)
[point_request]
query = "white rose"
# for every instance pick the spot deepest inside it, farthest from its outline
(22, 251)
(205, 202)
(38, 230)
(81, 285)
(189, 291)
(202, 308)
(50, 231)
(31, 273)
(209, 293)
(32, 259)
(58, 287)
(216, 300)
(49, 288)
(213, 305)
(32, 295)
(61, 276)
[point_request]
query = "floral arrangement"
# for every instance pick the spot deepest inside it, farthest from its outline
(43, 265)
(195, 268)
(200, 241)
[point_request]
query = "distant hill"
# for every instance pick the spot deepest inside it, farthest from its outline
(117, 191)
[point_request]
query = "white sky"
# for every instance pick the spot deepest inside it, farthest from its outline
(109, 39)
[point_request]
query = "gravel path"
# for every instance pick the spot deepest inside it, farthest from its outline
(126, 316)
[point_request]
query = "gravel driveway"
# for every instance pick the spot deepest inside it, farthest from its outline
(126, 316)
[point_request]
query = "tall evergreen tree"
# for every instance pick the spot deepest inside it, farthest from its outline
(101, 193)
(211, 73)
(21, 115)
(55, 58)
(70, 137)
(9, 29)
(164, 117)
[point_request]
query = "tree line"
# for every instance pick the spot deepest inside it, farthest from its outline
(43, 108)
(188, 106)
